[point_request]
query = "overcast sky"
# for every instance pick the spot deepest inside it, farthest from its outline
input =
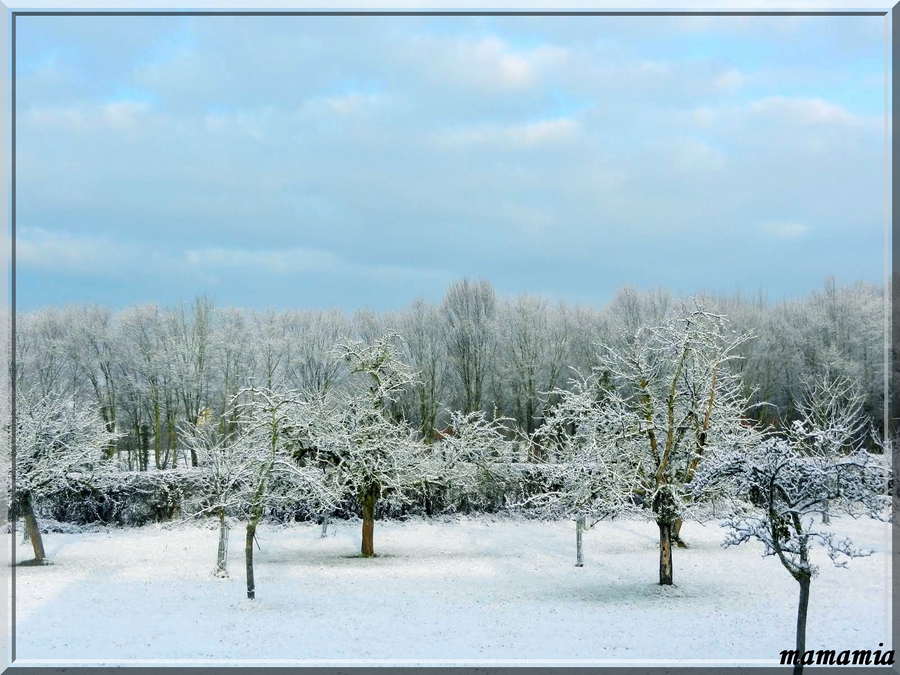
(364, 161)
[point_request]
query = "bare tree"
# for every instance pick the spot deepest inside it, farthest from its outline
(190, 335)
(94, 350)
(270, 426)
(367, 453)
(778, 493)
(422, 326)
(312, 365)
(470, 308)
(60, 446)
(668, 395)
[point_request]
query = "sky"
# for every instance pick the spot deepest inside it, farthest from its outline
(361, 162)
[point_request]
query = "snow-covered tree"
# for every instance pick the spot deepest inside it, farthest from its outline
(591, 474)
(229, 470)
(641, 422)
(270, 429)
(189, 333)
(59, 445)
(470, 309)
(311, 365)
(366, 453)
(95, 351)
(475, 460)
(422, 327)
(778, 492)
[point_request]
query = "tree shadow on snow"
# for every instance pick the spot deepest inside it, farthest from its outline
(33, 563)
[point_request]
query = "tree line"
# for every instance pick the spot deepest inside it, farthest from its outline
(150, 368)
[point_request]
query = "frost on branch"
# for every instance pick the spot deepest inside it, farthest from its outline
(388, 375)
(781, 489)
(637, 428)
(363, 451)
(778, 494)
(60, 446)
(475, 462)
(260, 453)
(591, 475)
(830, 418)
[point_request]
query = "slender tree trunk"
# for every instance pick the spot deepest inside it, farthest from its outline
(248, 551)
(802, 607)
(676, 534)
(34, 532)
(173, 442)
(324, 526)
(222, 556)
(579, 553)
(367, 501)
(665, 553)
(157, 431)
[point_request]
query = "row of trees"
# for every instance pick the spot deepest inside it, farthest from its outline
(661, 423)
(150, 369)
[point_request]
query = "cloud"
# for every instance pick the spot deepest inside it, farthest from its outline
(785, 229)
(114, 115)
(60, 252)
(489, 63)
(805, 111)
(353, 103)
(277, 150)
(108, 257)
(729, 81)
(540, 133)
(263, 261)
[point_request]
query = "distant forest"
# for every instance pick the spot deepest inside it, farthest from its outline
(150, 369)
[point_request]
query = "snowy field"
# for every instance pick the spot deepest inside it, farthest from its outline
(483, 590)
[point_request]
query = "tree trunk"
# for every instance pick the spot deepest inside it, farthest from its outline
(248, 554)
(324, 527)
(676, 534)
(579, 554)
(665, 553)
(368, 500)
(803, 605)
(157, 432)
(34, 532)
(222, 556)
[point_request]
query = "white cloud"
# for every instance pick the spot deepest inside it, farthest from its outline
(62, 252)
(124, 114)
(272, 261)
(540, 133)
(703, 117)
(785, 229)
(488, 63)
(117, 115)
(352, 103)
(729, 81)
(805, 110)
(213, 263)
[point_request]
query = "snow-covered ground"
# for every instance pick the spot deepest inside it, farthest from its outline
(484, 590)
